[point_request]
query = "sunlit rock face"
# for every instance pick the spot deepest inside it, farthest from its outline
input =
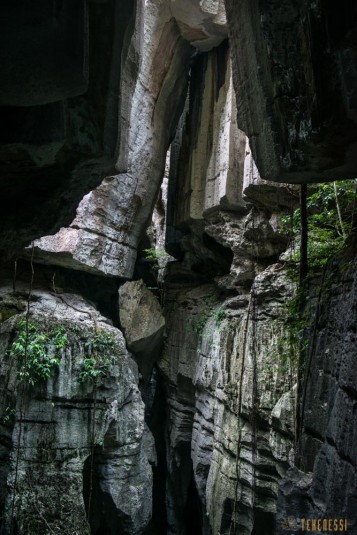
(202, 23)
(295, 78)
(215, 187)
(74, 434)
(99, 239)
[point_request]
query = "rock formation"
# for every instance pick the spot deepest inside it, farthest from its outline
(295, 76)
(150, 151)
(143, 324)
(88, 432)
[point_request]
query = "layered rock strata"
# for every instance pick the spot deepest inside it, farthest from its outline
(230, 404)
(75, 449)
(230, 394)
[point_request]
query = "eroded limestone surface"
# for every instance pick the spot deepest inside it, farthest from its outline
(62, 436)
(231, 403)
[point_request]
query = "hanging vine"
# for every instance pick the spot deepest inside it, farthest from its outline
(23, 385)
(233, 523)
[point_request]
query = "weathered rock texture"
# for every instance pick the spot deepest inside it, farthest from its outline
(154, 81)
(142, 322)
(100, 100)
(231, 407)
(326, 486)
(202, 22)
(294, 70)
(61, 436)
(214, 184)
(230, 425)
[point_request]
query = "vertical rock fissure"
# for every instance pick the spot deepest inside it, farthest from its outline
(233, 521)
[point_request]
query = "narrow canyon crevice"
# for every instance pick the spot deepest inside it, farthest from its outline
(162, 370)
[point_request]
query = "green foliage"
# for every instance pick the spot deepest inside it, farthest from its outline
(295, 324)
(327, 228)
(102, 352)
(9, 415)
(38, 351)
(155, 255)
(200, 322)
(218, 314)
(290, 331)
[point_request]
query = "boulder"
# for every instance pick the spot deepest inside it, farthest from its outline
(143, 324)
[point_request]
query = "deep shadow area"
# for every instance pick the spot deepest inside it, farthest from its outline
(217, 263)
(103, 516)
(193, 510)
(155, 415)
(102, 292)
(264, 523)
(60, 66)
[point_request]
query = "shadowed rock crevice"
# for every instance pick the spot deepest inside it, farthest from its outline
(56, 120)
(164, 389)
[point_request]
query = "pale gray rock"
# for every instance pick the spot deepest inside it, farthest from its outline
(210, 167)
(142, 322)
(102, 239)
(99, 238)
(202, 22)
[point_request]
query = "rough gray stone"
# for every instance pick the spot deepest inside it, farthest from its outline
(229, 401)
(295, 79)
(102, 239)
(327, 449)
(142, 322)
(60, 431)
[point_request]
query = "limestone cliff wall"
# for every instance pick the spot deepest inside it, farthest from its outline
(295, 79)
(75, 452)
(195, 431)
(324, 486)
(230, 404)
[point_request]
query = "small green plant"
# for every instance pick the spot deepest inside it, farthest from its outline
(102, 351)
(9, 415)
(200, 322)
(38, 350)
(155, 255)
(218, 314)
(291, 333)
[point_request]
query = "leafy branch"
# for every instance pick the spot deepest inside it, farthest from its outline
(41, 347)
